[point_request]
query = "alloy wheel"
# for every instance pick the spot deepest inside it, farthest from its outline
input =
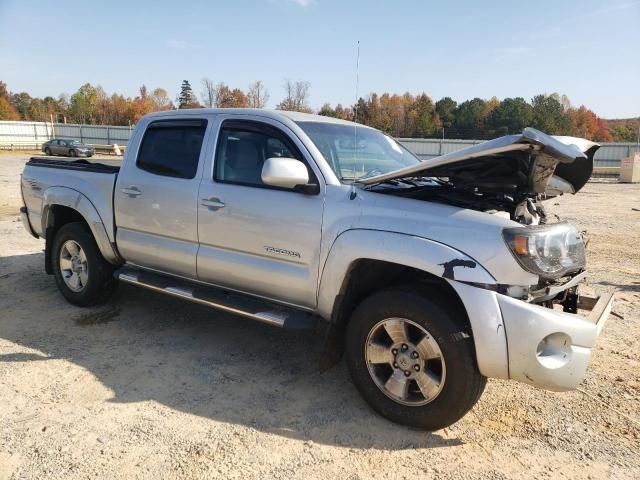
(405, 361)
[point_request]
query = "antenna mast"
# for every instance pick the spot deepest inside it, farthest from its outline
(355, 115)
(355, 112)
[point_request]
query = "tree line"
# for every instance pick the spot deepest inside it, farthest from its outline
(405, 115)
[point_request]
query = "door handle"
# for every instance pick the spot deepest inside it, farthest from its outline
(212, 203)
(132, 191)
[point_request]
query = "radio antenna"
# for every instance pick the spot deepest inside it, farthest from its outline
(355, 112)
(355, 115)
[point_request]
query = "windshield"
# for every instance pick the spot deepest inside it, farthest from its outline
(355, 153)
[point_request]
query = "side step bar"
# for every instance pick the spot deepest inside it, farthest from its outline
(244, 305)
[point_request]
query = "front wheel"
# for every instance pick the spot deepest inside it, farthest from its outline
(412, 360)
(73, 153)
(83, 276)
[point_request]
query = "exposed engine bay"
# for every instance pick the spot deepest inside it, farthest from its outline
(524, 208)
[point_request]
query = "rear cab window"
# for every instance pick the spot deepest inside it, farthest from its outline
(172, 148)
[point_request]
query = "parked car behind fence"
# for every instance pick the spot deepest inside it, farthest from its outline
(68, 148)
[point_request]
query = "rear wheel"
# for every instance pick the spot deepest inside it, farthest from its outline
(83, 276)
(412, 360)
(47, 151)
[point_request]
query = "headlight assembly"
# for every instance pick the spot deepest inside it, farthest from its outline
(550, 251)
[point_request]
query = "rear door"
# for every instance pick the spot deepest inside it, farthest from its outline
(156, 196)
(253, 237)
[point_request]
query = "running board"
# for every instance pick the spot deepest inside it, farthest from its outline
(244, 305)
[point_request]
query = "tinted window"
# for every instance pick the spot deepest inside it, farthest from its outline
(172, 148)
(243, 148)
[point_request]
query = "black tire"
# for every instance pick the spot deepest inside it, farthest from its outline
(47, 151)
(73, 153)
(463, 383)
(100, 284)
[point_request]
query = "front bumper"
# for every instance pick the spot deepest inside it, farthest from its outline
(548, 348)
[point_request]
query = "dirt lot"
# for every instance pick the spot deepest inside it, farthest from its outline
(152, 387)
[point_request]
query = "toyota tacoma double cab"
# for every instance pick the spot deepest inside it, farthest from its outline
(431, 276)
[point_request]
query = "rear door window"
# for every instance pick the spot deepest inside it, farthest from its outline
(172, 148)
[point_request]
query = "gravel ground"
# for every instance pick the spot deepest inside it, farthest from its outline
(148, 386)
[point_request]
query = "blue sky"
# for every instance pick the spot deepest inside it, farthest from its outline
(586, 49)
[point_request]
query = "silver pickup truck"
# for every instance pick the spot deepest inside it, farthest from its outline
(430, 275)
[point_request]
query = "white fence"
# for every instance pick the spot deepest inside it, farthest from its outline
(32, 134)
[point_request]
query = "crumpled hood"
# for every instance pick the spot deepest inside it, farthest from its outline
(531, 162)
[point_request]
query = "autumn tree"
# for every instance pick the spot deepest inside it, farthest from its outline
(296, 96)
(258, 95)
(511, 116)
(22, 104)
(427, 122)
(84, 103)
(327, 111)
(121, 111)
(549, 115)
(7, 111)
(402, 115)
(339, 112)
(161, 101)
(446, 110)
(225, 97)
(344, 113)
(469, 122)
(625, 131)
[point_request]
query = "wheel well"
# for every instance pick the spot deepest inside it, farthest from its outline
(57, 216)
(366, 276)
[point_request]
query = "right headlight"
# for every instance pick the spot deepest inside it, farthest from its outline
(550, 251)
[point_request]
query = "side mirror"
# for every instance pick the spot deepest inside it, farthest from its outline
(284, 172)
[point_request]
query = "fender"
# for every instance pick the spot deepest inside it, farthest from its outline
(433, 257)
(68, 197)
(416, 252)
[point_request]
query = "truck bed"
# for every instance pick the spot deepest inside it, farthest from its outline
(82, 164)
(45, 176)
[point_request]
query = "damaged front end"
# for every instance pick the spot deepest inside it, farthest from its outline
(509, 176)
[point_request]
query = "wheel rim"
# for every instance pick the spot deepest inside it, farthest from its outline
(405, 361)
(73, 266)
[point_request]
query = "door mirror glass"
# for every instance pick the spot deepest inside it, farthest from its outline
(284, 172)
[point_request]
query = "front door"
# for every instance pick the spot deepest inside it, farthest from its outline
(156, 197)
(56, 147)
(253, 237)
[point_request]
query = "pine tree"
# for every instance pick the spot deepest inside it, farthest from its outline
(187, 99)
